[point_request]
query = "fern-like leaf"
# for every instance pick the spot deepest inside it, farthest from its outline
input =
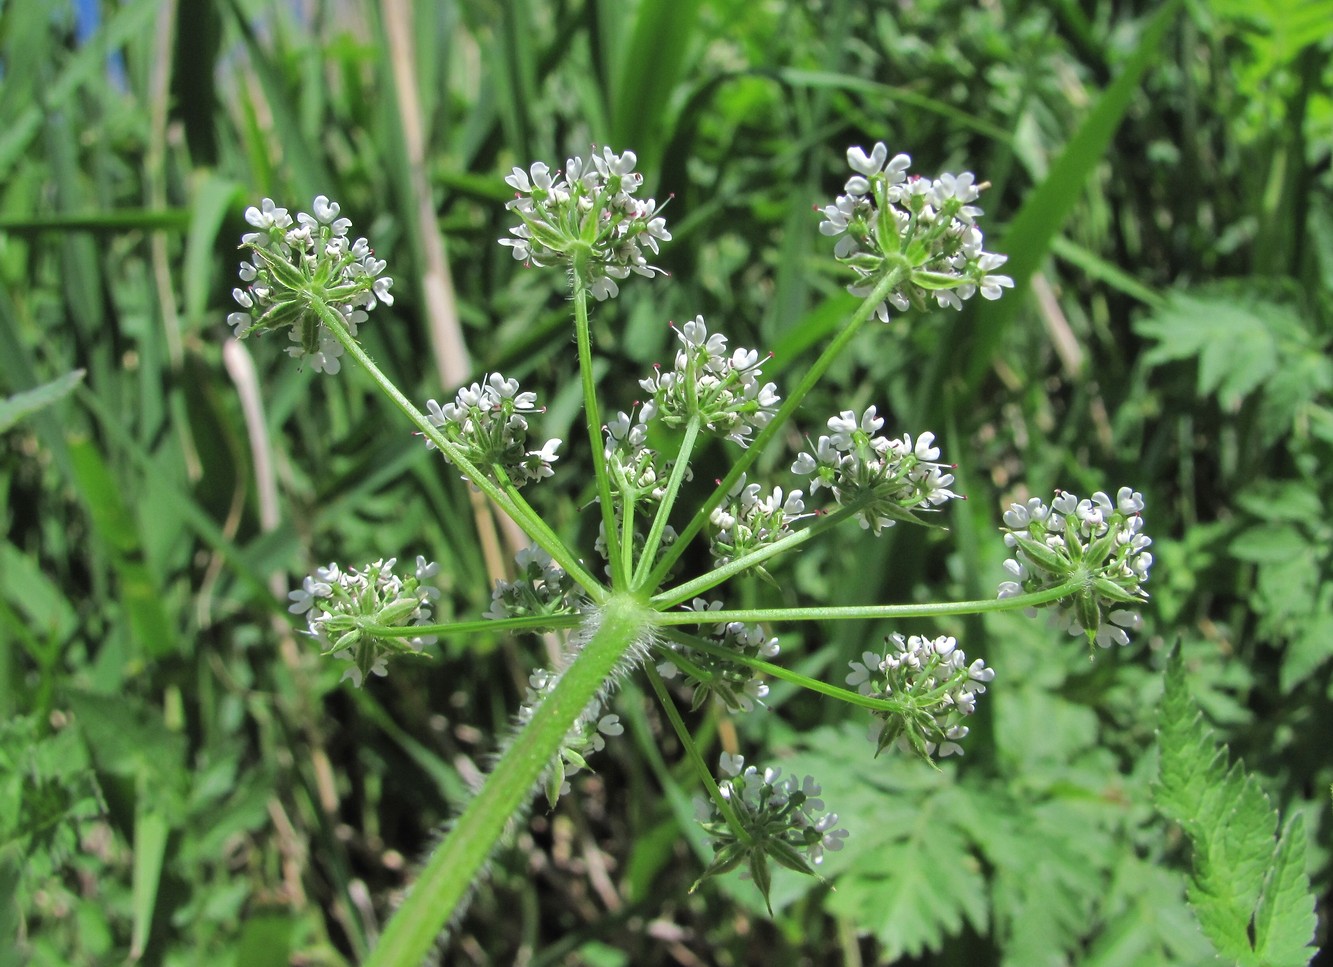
(1251, 895)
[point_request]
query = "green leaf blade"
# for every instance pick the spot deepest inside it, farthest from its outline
(1250, 894)
(1285, 921)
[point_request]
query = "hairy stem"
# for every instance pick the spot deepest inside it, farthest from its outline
(444, 882)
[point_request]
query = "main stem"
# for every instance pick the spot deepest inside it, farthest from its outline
(453, 869)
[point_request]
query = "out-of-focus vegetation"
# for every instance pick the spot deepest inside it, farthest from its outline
(184, 781)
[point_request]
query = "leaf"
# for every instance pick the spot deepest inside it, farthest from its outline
(1286, 909)
(1242, 883)
(1308, 650)
(131, 740)
(652, 67)
(47, 789)
(1241, 344)
(46, 610)
(213, 200)
(140, 592)
(150, 847)
(898, 893)
(16, 407)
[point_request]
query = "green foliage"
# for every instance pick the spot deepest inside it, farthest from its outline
(1251, 895)
(49, 788)
(1241, 341)
(16, 407)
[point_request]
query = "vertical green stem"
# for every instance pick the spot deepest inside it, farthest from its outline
(812, 376)
(678, 469)
(618, 554)
(453, 868)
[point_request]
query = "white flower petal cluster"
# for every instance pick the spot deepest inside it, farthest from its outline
(886, 216)
(587, 735)
(631, 463)
(295, 259)
(489, 421)
(1097, 539)
(936, 686)
(637, 480)
(723, 388)
(669, 537)
(748, 520)
(339, 605)
(734, 684)
(540, 587)
(588, 218)
(885, 479)
(783, 818)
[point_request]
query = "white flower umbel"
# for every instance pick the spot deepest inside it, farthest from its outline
(295, 261)
(722, 389)
(541, 587)
(588, 219)
(748, 520)
(734, 684)
(1097, 541)
(887, 217)
(488, 421)
(781, 819)
(348, 611)
(885, 479)
(632, 464)
(936, 687)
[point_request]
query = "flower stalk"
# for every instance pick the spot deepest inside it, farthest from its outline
(621, 623)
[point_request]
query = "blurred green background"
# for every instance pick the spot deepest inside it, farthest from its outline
(183, 780)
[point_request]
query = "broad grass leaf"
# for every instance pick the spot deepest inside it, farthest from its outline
(140, 590)
(16, 407)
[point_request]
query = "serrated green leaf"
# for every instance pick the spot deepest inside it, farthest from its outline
(1185, 762)
(1233, 845)
(1285, 921)
(1231, 826)
(1234, 345)
(900, 896)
